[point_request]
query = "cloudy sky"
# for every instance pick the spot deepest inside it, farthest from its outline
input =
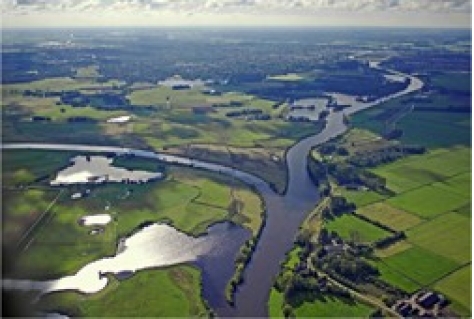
(409, 13)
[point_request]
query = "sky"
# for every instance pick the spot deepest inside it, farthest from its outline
(117, 13)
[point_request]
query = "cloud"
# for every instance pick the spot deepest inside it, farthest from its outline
(259, 6)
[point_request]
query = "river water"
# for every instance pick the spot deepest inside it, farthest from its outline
(284, 215)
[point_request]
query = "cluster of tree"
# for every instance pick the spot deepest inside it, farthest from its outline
(346, 174)
(38, 118)
(340, 205)
(348, 266)
(81, 119)
(385, 242)
(332, 148)
(244, 112)
(230, 104)
(384, 155)
(99, 100)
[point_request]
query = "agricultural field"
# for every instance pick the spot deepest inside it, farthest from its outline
(429, 201)
(390, 216)
(432, 123)
(161, 118)
(178, 296)
(333, 307)
(447, 235)
(350, 227)
(434, 166)
(362, 198)
(419, 265)
(456, 287)
(188, 199)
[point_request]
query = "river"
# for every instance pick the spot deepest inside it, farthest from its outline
(284, 213)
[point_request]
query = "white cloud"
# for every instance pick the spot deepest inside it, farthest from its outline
(237, 5)
(246, 10)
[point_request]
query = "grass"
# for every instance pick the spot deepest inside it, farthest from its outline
(447, 235)
(396, 278)
(172, 292)
(393, 249)
(190, 200)
(387, 215)
(415, 171)
(429, 201)
(21, 209)
(453, 81)
(428, 128)
(20, 167)
(436, 129)
(350, 227)
(362, 198)
(275, 303)
(420, 265)
(457, 286)
(333, 307)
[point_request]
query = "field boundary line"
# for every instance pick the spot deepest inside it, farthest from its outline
(449, 273)
(31, 228)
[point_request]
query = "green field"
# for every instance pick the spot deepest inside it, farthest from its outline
(350, 227)
(323, 307)
(457, 286)
(333, 307)
(172, 292)
(433, 129)
(189, 199)
(20, 167)
(415, 171)
(387, 215)
(361, 198)
(420, 265)
(397, 278)
(429, 201)
(275, 303)
(448, 235)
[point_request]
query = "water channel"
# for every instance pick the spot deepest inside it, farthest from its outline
(284, 214)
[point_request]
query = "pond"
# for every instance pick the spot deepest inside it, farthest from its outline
(99, 169)
(154, 246)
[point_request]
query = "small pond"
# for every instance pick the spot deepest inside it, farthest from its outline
(99, 169)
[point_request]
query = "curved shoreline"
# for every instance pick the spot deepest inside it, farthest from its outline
(283, 215)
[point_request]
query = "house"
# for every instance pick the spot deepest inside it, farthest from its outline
(428, 300)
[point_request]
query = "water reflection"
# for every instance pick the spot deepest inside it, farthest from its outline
(99, 169)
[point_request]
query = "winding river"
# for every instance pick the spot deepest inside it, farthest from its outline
(284, 213)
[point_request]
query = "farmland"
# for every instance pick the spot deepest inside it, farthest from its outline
(387, 215)
(178, 296)
(333, 307)
(188, 199)
(455, 286)
(352, 228)
(433, 206)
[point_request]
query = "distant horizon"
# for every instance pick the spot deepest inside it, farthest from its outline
(438, 14)
(238, 27)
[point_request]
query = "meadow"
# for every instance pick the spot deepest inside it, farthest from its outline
(415, 171)
(447, 235)
(188, 199)
(169, 292)
(350, 227)
(155, 123)
(328, 307)
(387, 215)
(433, 207)
(457, 287)
(419, 265)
